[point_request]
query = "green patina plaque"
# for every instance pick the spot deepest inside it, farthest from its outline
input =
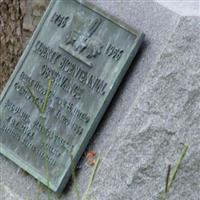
(85, 53)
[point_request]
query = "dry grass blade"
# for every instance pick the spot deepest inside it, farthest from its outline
(42, 110)
(46, 99)
(35, 101)
(171, 174)
(75, 185)
(86, 194)
(167, 178)
(177, 166)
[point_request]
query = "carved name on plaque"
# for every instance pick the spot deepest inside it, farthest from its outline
(85, 54)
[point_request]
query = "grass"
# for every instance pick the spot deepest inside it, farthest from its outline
(42, 110)
(172, 173)
(75, 185)
(85, 196)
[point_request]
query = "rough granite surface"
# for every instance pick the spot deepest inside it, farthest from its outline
(155, 110)
(165, 114)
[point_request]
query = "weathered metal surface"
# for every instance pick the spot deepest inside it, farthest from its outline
(85, 53)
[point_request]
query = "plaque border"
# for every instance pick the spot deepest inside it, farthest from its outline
(78, 153)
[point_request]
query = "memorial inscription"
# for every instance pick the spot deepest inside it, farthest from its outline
(85, 54)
